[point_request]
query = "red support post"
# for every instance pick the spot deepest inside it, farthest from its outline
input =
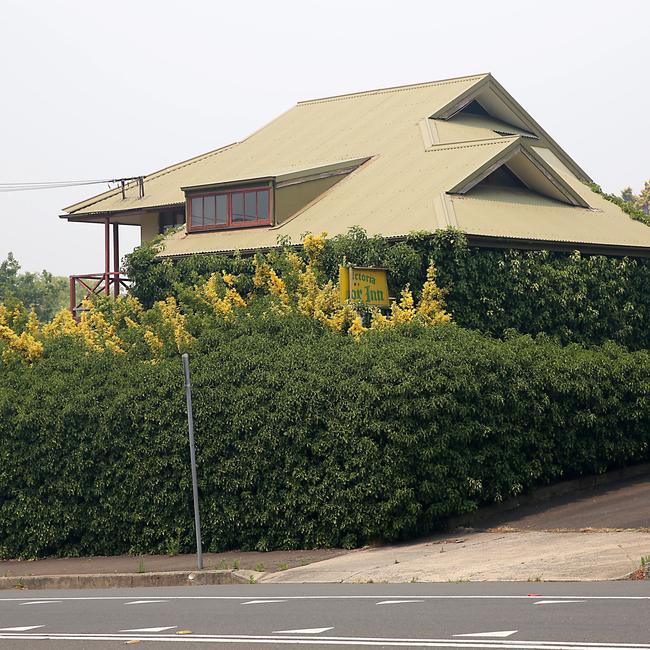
(116, 260)
(73, 296)
(107, 254)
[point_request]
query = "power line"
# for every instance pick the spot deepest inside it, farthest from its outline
(49, 185)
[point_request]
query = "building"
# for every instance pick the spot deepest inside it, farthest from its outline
(458, 152)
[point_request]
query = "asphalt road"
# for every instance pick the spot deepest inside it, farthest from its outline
(501, 616)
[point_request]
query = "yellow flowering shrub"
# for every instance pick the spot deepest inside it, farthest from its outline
(63, 324)
(123, 325)
(222, 305)
(154, 342)
(314, 245)
(357, 328)
(266, 278)
(33, 327)
(404, 310)
(97, 332)
(175, 321)
(431, 309)
(322, 301)
(20, 333)
(295, 261)
(23, 345)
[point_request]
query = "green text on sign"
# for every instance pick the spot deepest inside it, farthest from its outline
(363, 284)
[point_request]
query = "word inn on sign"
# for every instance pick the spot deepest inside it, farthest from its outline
(364, 284)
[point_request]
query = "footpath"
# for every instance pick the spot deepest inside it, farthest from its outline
(592, 529)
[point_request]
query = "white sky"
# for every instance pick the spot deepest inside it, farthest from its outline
(110, 89)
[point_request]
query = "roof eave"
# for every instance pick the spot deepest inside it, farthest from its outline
(588, 248)
(110, 214)
(480, 241)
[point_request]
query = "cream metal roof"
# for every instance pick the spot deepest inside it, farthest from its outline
(415, 163)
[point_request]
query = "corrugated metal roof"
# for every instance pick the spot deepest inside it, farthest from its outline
(313, 133)
(398, 190)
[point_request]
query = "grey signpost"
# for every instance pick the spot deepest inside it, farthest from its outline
(195, 487)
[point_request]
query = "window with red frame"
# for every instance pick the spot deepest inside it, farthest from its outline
(229, 209)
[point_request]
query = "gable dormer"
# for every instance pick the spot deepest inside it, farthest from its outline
(487, 110)
(519, 171)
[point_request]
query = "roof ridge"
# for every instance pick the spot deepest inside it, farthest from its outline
(392, 89)
(466, 144)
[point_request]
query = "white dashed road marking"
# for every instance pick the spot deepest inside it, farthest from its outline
(495, 635)
(398, 602)
(151, 629)
(263, 602)
(307, 630)
(20, 629)
(556, 602)
(144, 602)
(40, 602)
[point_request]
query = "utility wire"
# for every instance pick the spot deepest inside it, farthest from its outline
(48, 185)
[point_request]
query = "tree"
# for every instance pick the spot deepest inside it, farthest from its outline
(43, 292)
(628, 195)
(640, 202)
(643, 200)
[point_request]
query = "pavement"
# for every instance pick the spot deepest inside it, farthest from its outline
(131, 564)
(498, 616)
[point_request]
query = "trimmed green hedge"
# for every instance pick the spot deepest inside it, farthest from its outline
(575, 298)
(305, 438)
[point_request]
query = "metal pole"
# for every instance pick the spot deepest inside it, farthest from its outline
(195, 487)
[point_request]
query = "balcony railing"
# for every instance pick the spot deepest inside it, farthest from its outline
(94, 284)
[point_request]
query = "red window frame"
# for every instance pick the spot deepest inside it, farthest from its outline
(229, 225)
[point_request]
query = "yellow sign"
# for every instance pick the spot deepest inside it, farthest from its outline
(362, 284)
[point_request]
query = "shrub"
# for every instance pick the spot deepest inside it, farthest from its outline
(313, 429)
(305, 438)
(576, 298)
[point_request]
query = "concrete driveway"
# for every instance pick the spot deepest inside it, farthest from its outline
(475, 555)
(599, 533)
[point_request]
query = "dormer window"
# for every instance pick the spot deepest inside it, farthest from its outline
(233, 208)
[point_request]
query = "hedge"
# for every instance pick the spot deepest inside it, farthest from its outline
(305, 438)
(575, 298)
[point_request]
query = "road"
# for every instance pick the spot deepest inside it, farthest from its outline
(498, 616)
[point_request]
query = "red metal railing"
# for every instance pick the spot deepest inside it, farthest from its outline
(94, 284)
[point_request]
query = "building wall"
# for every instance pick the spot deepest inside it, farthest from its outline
(149, 228)
(290, 199)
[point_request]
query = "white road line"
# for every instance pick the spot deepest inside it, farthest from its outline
(307, 630)
(398, 602)
(320, 640)
(144, 602)
(497, 635)
(556, 602)
(151, 629)
(25, 628)
(347, 597)
(40, 602)
(263, 602)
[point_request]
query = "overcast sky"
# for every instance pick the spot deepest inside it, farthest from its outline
(94, 90)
